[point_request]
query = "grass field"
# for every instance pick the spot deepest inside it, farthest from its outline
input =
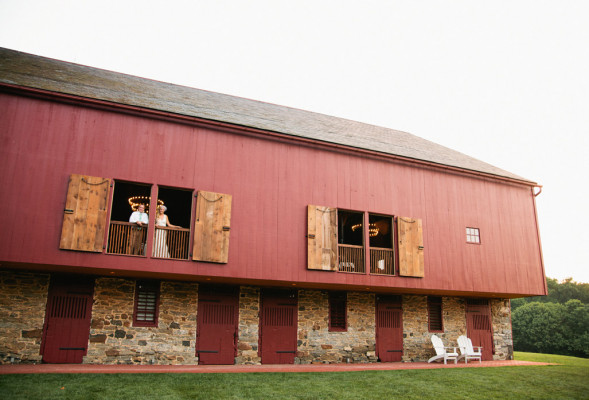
(570, 380)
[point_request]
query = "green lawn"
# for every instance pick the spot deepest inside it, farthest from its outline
(567, 381)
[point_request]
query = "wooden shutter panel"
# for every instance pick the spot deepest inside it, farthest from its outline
(322, 238)
(84, 218)
(410, 236)
(211, 229)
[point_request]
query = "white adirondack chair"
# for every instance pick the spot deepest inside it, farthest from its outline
(467, 351)
(441, 352)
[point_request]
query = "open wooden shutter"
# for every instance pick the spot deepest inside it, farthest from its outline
(84, 218)
(322, 238)
(410, 236)
(211, 229)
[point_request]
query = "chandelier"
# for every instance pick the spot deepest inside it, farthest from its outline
(136, 201)
(372, 229)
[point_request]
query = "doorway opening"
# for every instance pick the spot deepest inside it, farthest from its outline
(350, 241)
(125, 237)
(172, 223)
(381, 244)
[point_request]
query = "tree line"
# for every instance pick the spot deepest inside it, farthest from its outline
(555, 324)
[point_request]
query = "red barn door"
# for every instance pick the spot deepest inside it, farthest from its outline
(389, 328)
(67, 320)
(478, 326)
(278, 327)
(218, 314)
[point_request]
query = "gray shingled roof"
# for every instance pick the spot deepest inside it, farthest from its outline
(28, 70)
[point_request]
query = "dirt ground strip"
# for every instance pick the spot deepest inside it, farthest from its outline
(203, 369)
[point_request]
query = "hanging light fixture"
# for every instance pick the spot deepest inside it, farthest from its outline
(372, 229)
(135, 201)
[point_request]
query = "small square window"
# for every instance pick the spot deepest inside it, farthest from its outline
(473, 235)
(147, 295)
(337, 311)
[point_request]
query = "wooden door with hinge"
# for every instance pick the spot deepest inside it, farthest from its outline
(217, 329)
(278, 326)
(84, 218)
(212, 227)
(389, 328)
(410, 247)
(478, 326)
(67, 319)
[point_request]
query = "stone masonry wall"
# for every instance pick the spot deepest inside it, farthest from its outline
(23, 299)
(502, 334)
(417, 344)
(249, 326)
(114, 339)
(317, 344)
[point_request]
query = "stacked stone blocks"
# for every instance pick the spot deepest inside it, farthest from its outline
(23, 298)
(114, 340)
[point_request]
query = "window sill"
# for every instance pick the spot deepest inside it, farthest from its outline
(145, 325)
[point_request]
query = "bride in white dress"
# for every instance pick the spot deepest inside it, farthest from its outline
(161, 235)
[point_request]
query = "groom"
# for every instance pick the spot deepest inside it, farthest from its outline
(141, 220)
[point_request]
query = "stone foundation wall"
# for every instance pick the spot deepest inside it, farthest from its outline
(502, 334)
(23, 299)
(114, 339)
(317, 344)
(415, 331)
(417, 344)
(249, 326)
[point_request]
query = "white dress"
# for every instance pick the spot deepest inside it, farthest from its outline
(160, 248)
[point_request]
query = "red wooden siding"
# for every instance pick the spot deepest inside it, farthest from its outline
(272, 182)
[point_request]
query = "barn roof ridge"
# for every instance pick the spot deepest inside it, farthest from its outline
(27, 70)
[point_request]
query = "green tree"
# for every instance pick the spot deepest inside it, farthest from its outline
(576, 322)
(568, 290)
(552, 328)
(537, 328)
(558, 292)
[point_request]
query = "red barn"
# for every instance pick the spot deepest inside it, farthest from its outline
(269, 234)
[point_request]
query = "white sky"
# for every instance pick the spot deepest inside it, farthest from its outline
(506, 82)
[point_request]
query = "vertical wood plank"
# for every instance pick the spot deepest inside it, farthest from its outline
(71, 202)
(211, 240)
(322, 239)
(83, 226)
(410, 247)
(84, 219)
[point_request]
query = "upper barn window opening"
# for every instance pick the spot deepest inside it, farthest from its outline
(350, 236)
